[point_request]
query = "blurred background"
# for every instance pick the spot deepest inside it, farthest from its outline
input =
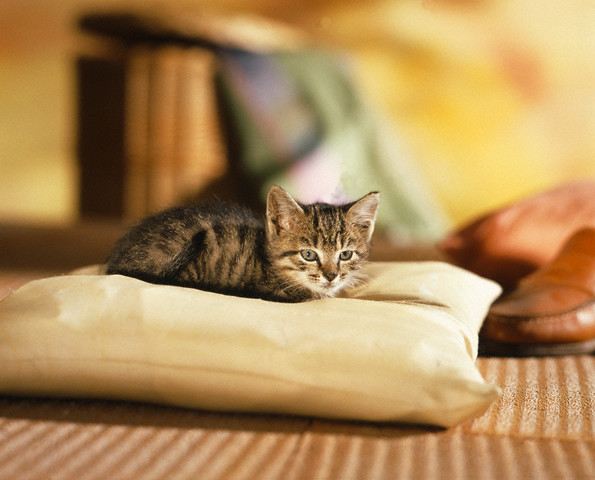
(494, 99)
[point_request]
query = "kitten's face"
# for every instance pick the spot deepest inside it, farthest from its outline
(320, 248)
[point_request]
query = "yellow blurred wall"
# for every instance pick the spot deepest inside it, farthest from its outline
(495, 98)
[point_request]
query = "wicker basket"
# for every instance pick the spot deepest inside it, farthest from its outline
(151, 130)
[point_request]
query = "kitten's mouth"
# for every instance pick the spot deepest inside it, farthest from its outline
(328, 288)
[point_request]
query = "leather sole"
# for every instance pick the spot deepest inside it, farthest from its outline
(492, 348)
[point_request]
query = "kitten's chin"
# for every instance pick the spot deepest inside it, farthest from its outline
(327, 290)
(335, 289)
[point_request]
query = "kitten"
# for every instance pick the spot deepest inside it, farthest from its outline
(295, 253)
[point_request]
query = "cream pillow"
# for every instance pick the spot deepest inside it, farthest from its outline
(399, 348)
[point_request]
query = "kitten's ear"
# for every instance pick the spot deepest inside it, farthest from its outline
(363, 212)
(283, 212)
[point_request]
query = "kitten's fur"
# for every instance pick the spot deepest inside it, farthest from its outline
(298, 252)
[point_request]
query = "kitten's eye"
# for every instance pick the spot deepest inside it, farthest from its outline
(345, 255)
(309, 255)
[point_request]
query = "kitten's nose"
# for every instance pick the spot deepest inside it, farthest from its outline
(330, 276)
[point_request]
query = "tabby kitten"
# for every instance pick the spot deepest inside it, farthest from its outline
(296, 253)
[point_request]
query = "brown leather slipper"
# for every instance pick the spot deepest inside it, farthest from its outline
(552, 311)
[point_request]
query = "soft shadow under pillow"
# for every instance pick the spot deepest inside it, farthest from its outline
(400, 348)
